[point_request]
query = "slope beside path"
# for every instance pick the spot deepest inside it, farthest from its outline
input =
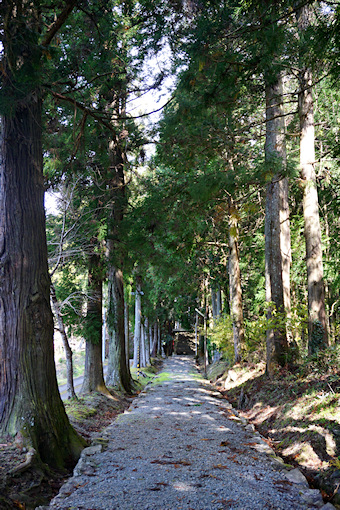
(181, 446)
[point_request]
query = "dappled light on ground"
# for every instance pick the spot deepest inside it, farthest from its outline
(179, 447)
(299, 414)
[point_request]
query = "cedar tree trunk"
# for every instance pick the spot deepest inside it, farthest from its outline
(142, 346)
(213, 302)
(93, 374)
(277, 232)
(30, 403)
(147, 341)
(118, 368)
(138, 325)
(127, 331)
(317, 324)
(236, 307)
(154, 340)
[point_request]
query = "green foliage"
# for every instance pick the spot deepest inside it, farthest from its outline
(92, 327)
(221, 335)
(322, 362)
(296, 326)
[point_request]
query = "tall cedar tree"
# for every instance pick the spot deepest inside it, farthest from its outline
(30, 404)
(317, 324)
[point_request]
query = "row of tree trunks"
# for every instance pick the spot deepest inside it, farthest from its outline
(277, 228)
(147, 340)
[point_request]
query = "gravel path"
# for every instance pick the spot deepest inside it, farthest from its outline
(179, 446)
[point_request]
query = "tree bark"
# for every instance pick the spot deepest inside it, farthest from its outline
(213, 302)
(277, 237)
(118, 373)
(138, 325)
(236, 306)
(118, 368)
(218, 301)
(93, 374)
(68, 351)
(127, 331)
(147, 341)
(142, 347)
(30, 403)
(154, 340)
(317, 324)
(159, 339)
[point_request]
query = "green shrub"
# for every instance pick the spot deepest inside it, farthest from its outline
(221, 336)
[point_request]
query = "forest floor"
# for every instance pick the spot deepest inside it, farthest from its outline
(27, 488)
(297, 411)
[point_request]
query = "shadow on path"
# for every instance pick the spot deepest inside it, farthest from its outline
(179, 447)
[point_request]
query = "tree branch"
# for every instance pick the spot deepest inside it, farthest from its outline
(84, 108)
(58, 23)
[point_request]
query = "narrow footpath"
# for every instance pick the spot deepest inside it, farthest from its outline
(181, 446)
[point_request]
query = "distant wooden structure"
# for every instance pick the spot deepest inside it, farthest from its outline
(184, 341)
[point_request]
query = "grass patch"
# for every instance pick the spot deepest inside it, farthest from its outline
(95, 411)
(161, 378)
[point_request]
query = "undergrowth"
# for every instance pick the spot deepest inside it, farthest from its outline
(298, 410)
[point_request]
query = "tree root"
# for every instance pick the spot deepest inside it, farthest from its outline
(31, 457)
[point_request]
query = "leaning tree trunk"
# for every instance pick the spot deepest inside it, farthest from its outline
(236, 306)
(276, 218)
(68, 351)
(317, 323)
(93, 374)
(30, 403)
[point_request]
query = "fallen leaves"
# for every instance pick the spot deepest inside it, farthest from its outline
(227, 503)
(282, 485)
(175, 463)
